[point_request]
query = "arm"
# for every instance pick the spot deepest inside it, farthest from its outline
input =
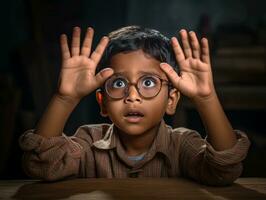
(47, 156)
(219, 130)
(77, 79)
(218, 161)
(200, 161)
(195, 81)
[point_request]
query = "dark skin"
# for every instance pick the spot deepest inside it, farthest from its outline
(138, 136)
(196, 82)
(78, 79)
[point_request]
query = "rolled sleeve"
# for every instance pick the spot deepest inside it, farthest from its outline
(231, 156)
(201, 162)
(50, 158)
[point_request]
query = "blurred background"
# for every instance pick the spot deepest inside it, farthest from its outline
(30, 63)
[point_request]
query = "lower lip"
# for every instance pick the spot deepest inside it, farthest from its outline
(133, 119)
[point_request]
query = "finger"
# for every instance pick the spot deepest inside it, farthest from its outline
(194, 44)
(205, 56)
(64, 47)
(75, 46)
(179, 55)
(97, 54)
(171, 74)
(103, 75)
(86, 47)
(185, 43)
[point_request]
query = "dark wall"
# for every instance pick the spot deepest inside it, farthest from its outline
(30, 62)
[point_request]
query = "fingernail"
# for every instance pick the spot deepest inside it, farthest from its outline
(105, 38)
(173, 39)
(63, 35)
(107, 68)
(162, 64)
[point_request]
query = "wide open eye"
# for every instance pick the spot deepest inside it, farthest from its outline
(119, 83)
(149, 82)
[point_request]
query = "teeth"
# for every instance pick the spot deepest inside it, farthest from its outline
(134, 114)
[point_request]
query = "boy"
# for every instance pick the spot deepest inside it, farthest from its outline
(138, 86)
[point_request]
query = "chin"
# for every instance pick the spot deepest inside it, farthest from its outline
(135, 129)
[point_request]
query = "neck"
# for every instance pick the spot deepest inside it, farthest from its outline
(138, 144)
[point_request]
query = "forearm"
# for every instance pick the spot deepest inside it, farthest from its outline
(219, 130)
(54, 119)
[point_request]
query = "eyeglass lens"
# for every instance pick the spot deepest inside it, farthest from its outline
(148, 86)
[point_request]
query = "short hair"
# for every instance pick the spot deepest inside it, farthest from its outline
(132, 38)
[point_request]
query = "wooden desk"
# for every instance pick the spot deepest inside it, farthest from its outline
(148, 188)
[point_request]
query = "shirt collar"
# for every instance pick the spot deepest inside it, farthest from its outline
(160, 144)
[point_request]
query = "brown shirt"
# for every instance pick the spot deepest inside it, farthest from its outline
(96, 151)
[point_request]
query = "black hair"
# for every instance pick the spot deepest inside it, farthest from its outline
(132, 38)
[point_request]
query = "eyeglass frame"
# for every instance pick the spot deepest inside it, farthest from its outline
(169, 84)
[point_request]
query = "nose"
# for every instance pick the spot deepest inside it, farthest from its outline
(132, 95)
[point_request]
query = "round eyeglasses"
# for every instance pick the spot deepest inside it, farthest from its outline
(148, 86)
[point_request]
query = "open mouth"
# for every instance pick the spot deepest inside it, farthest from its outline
(134, 114)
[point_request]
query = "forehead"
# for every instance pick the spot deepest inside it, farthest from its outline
(135, 63)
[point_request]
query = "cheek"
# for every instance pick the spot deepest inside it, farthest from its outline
(162, 98)
(114, 107)
(115, 111)
(158, 105)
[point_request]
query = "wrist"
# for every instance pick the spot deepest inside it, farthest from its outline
(66, 100)
(206, 100)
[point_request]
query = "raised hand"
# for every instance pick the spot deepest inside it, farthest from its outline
(195, 78)
(195, 81)
(77, 78)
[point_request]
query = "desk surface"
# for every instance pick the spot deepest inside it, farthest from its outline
(147, 188)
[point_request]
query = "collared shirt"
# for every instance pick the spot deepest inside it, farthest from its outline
(96, 151)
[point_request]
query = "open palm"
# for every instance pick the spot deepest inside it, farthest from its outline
(77, 78)
(195, 78)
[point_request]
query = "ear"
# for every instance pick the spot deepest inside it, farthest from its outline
(173, 99)
(100, 100)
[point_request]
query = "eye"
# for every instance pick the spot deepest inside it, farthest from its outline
(119, 83)
(149, 82)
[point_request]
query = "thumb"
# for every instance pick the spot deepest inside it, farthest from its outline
(102, 75)
(171, 74)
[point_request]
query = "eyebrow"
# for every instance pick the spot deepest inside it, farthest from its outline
(140, 73)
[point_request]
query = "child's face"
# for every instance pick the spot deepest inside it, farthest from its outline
(122, 112)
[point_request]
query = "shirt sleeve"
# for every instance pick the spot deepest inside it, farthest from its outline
(201, 162)
(53, 158)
